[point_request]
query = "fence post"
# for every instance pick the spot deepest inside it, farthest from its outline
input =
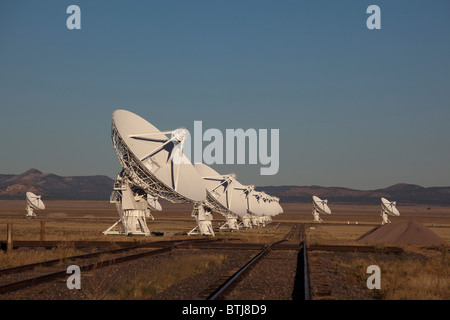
(42, 230)
(9, 241)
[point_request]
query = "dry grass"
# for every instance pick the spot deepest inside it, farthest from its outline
(409, 279)
(169, 273)
(21, 257)
(335, 234)
(270, 233)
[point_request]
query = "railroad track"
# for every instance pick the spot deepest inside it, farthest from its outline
(228, 284)
(81, 244)
(46, 276)
(296, 255)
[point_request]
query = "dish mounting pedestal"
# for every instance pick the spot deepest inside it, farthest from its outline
(203, 217)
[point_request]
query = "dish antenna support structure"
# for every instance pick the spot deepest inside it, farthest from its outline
(134, 208)
(319, 207)
(388, 208)
(34, 202)
(153, 165)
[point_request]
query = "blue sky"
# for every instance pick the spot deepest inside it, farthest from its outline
(355, 107)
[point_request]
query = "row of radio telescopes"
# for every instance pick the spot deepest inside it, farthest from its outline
(154, 166)
(388, 208)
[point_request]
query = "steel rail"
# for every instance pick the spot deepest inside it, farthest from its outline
(54, 261)
(306, 286)
(13, 286)
(80, 244)
(223, 289)
(231, 281)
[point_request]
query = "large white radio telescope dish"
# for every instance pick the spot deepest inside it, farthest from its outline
(154, 166)
(154, 162)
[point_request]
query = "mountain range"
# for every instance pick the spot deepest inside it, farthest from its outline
(99, 187)
(402, 193)
(52, 186)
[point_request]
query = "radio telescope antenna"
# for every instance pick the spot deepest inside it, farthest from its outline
(273, 207)
(34, 202)
(220, 195)
(262, 209)
(388, 209)
(254, 204)
(153, 203)
(319, 207)
(152, 164)
(243, 193)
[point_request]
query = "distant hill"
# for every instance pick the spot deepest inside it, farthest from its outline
(402, 193)
(51, 186)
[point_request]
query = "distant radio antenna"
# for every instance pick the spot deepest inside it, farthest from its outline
(319, 207)
(388, 208)
(34, 202)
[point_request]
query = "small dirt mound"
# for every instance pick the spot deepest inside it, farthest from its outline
(410, 232)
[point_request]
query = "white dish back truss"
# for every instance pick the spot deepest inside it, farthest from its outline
(319, 207)
(388, 208)
(34, 202)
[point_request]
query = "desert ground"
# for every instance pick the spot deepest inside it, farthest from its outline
(85, 220)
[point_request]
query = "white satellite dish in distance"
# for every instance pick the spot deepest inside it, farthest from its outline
(153, 203)
(390, 207)
(154, 162)
(319, 207)
(33, 202)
